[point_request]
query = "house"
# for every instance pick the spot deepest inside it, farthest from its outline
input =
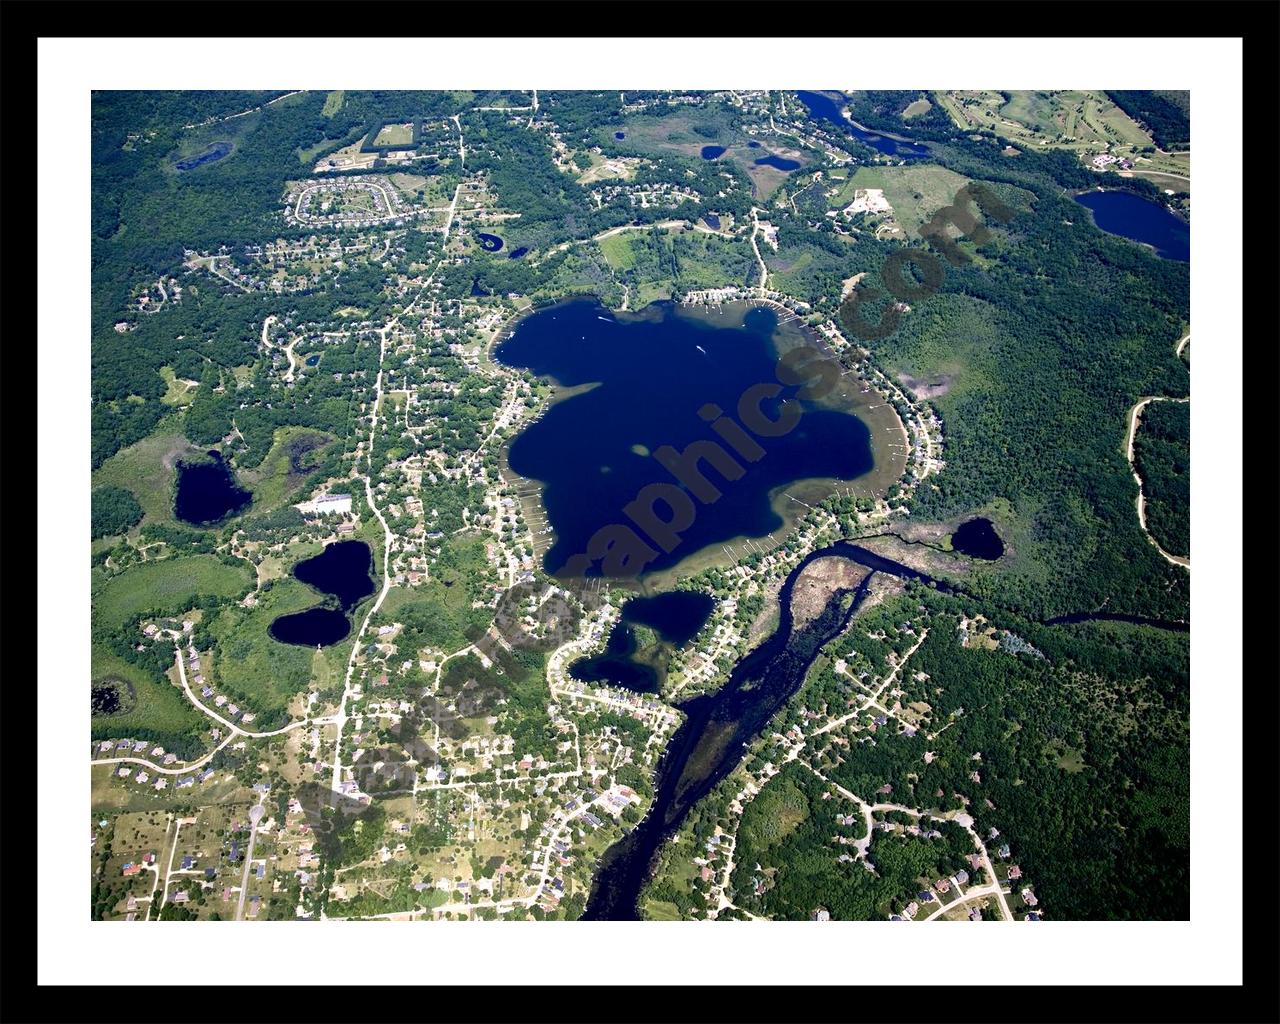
(141, 777)
(148, 858)
(1015, 872)
(131, 869)
(942, 885)
(122, 771)
(187, 861)
(821, 914)
(961, 877)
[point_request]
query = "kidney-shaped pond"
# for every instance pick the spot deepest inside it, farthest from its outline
(341, 570)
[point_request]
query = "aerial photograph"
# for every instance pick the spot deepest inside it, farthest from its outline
(645, 506)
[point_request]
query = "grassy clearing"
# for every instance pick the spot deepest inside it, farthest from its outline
(916, 108)
(660, 910)
(395, 135)
(177, 392)
(333, 102)
(441, 606)
(915, 193)
(148, 469)
(170, 585)
(249, 664)
(280, 477)
(617, 251)
(158, 707)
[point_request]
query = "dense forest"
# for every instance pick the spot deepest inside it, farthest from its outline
(1047, 334)
(1162, 457)
(1164, 115)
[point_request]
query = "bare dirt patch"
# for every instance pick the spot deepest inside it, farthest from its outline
(927, 387)
(820, 579)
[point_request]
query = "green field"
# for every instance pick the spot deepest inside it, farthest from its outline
(438, 612)
(159, 708)
(916, 193)
(333, 102)
(278, 480)
(249, 664)
(617, 251)
(169, 586)
(148, 469)
(178, 392)
(395, 135)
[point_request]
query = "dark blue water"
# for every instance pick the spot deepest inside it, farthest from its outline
(316, 627)
(655, 372)
(719, 725)
(517, 253)
(711, 152)
(977, 538)
(825, 108)
(753, 144)
(489, 243)
(1141, 220)
(619, 135)
(712, 221)
(781, 163)
(215, 152)
(207, 492)
(676, 617)
(341, 570)
(312, 360)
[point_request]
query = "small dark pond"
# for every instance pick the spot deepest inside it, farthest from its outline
(208, 492)
(712, 221)
(341, 570)
(1140, 220)
(105, 697)
(676, 618)
(711, 152)
(977, 538)
(619, 135)
(215, 152)
(517, 253)
(781, 163)
(316, 627)
(312, 360)
(489, 243)
(753, 144)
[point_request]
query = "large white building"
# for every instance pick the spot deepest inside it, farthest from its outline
(326, 504)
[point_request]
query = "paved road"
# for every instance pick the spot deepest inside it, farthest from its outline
(255, 815)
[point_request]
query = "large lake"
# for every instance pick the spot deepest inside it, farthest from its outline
(644, 381)
(1140, 220)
